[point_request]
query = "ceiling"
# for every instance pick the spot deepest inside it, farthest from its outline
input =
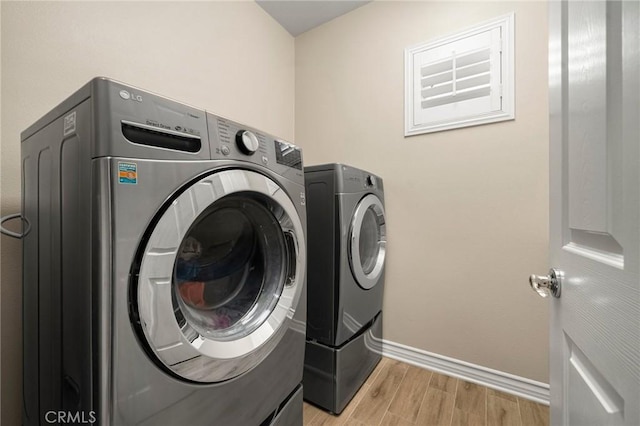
(299, 16)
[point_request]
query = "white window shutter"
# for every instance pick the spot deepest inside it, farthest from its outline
(460, 80)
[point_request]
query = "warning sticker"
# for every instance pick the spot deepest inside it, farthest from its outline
(128, 173)
(69, 124)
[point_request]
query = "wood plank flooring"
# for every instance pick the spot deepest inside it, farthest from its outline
(398, 394)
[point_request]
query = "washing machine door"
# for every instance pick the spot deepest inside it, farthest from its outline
(367, 242)
(220, 276)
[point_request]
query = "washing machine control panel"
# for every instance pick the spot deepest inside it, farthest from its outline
(237, 142)
(234, 141)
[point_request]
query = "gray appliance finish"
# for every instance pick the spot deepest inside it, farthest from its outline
(346, 248)
(164, 274)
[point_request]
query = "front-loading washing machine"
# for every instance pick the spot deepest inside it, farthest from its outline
(164, 270)
(345, 281)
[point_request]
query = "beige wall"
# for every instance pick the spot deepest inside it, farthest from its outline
(228, 57)
(467, 209)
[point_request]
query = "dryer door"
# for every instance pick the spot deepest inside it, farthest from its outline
(367, 242)
(220, 276)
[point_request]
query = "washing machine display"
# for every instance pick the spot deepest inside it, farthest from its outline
(367, 246)
(217, 279)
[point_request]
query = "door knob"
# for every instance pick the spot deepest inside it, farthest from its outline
(545, 285)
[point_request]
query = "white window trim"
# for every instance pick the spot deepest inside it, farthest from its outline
(508, 78)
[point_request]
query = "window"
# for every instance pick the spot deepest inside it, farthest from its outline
(465, 79)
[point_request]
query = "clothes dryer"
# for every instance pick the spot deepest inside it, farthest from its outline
(347, 249)
(164, 271)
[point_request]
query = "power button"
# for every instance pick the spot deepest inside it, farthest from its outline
(225, 150)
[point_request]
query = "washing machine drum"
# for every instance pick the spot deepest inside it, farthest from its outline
(221, 276)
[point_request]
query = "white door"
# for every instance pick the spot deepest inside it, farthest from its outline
(595, 202)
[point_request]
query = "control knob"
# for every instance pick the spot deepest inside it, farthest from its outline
(247, 142)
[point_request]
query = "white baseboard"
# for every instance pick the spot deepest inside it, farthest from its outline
(494, 379)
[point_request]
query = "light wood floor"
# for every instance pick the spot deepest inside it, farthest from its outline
(398, 394)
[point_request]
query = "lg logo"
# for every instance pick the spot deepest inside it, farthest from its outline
(127, 95)
(68, 417)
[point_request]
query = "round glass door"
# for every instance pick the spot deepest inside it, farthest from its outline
(368, 241)
(221, 276)
(229, 272)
